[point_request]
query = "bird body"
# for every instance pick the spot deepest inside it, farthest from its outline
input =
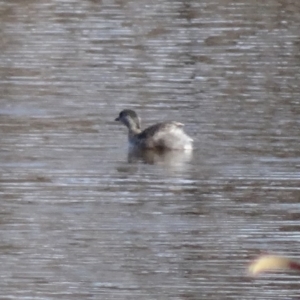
(267, 263)
(164, 135)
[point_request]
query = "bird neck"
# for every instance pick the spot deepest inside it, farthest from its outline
(133, 131)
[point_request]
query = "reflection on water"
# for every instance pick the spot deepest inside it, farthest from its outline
(81, 217)
(170, 159)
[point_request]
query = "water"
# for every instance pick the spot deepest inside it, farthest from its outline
(81, 218)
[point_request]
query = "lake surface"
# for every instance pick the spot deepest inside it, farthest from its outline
(80, 216)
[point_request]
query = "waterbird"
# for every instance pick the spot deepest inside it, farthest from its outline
(160, 136)
(269, 263)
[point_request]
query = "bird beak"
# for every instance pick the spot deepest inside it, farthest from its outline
(117, 119)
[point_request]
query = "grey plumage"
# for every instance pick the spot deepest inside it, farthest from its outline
(164, 135)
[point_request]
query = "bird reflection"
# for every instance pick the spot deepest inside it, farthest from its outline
(169, 158)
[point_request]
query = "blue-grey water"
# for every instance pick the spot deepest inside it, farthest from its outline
(80, 217)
